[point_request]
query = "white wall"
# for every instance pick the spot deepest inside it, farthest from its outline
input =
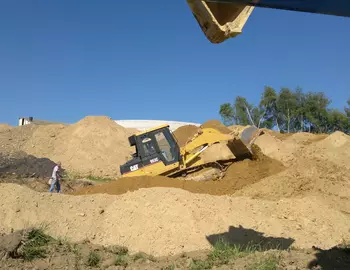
(147, 124)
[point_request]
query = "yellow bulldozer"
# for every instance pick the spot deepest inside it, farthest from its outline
(209, 151)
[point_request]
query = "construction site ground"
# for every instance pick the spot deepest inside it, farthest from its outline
(288, 208)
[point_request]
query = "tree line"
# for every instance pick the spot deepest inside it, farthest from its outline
(288, 111)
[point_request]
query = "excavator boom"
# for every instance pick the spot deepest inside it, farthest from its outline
(327, 7)
(224, 19)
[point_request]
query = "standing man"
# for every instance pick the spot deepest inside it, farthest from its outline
(56, 178)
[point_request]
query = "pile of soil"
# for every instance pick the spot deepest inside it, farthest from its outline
(5, 127)
(185, 133)
(96, 145)
(238, 175)
(216, 124)
(23, 165)
(164, 212)
(322, 168)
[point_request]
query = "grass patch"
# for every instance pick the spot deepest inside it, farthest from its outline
(118, 250)
(98, 179)
(222, 253)
(93, 259)
(143, 256)
(34, 246)
(122, 260)
(200, 264)
(269, 263)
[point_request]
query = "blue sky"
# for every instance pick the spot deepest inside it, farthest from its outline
(152, 61)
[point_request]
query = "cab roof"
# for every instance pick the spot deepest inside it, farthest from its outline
(152, 129)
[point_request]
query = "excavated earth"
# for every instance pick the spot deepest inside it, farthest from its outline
(295, 193)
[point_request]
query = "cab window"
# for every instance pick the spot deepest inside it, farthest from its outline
(164, 146)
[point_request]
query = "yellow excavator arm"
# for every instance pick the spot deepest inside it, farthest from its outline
(224, 19)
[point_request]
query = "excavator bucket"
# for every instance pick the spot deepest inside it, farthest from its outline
(220, 21)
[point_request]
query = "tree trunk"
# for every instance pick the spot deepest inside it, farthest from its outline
(288, 120)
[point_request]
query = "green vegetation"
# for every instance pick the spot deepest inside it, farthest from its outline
(223, 253)
(269, 263)
(143, 256)
(93, 259)
(99, 179)
(34, 246)
(122, 260)
(288, 111)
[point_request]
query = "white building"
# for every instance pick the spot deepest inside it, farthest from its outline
(147, 124)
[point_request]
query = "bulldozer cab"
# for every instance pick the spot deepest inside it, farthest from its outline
(156, 152)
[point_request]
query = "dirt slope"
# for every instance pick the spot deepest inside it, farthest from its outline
(184, 133)
(173, 220)
(238, 175)
(216, 124)
(322, 168)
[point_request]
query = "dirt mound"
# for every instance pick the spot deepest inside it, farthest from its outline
(238, 175)
(13, 140)
(165, 212)
(320, 168)
(216, 124)
(184, 133)
(286, 148)
(96, 146)
(21, 164)
(5, 127)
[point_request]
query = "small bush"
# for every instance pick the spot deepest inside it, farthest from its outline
(121, 260)
(201, 265)
(118, 250)
(93, 259)
(33, 247)
(144, 256)
(269, 263)
(223, 252)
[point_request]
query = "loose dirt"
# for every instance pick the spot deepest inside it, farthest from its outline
(216, 124)
(238, 175)
(320, 168)
(5, 127)
(60, 254)
(167, 212)
(21, 164)
(185, 133)
(96, 145)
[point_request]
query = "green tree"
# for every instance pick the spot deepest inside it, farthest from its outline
(227, 114)
(337, 121)
(286, 107)
(268, 107)
(240, 107)
(347, 109)
(316, 111)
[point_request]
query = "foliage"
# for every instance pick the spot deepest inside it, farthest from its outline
(34, 246)
(223, 253)
(269, 263)
(93, 259)
(288, 111)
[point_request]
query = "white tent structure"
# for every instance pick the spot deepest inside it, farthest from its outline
(147, 124)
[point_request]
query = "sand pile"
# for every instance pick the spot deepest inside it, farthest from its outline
(238, 175)
(185, 133)
(12, 140)
(96, 145)
(173, 220)
(322, 168)
(288, 148)
(216, 124)
(5, 127)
